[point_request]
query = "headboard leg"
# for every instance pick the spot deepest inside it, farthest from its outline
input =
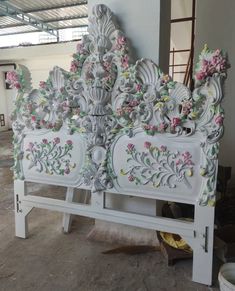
(67, 217)
(203, 244)
(21, 211)
(97, 200)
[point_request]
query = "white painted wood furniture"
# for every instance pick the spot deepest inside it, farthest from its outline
(112, 126)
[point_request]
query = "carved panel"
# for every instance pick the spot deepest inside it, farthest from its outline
(157, 165)
(55, 158)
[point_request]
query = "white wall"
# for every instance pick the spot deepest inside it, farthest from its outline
(215, 26)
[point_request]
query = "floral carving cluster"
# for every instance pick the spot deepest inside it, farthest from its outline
(16, 79)
(141, 99)
(153, 101)
(51, 157)
(121, 49)
(79, 57)
(158, 166)
(211, 62)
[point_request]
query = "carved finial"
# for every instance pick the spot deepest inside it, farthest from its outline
(100, 10)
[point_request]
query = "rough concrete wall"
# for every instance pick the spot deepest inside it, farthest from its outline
(215, 25)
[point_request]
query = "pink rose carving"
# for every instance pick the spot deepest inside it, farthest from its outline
(56, 140)
(147, 145)
(175, 121)
(219, 120)
(130, 146)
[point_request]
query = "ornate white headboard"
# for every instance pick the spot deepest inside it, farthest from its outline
(111, 125)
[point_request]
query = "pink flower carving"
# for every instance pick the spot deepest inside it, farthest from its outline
(33, 118)
(175, 121)
(211, 62)
(147, 127)
(128, 109)
(125, 61)
(131, 178)
(134, 103)
(178, 162)
(186, 107)
(163, 148)
(74, 66)
(42, 84)
(120, 111)
(67, 171)
(147, 145)
(153, 127)
(200, 76)
(13, 79)
(69, 142)
(187, 158)
(30, 146)
(45, 141)
(17, 85)
(162, 126)
(107, 66)
(138, 87)
(121, 40)
(219, 120)
(130, 146)
(56, 140)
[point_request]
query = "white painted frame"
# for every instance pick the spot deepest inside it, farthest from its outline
(198, 234)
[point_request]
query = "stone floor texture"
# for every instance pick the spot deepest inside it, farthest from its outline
(50, 260)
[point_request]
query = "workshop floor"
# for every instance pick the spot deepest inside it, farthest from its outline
(52, 260)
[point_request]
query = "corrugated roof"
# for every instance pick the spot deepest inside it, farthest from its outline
(17, 30)
(27, 5)
(58, 14)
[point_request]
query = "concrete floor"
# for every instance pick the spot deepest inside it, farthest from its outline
(51, 260)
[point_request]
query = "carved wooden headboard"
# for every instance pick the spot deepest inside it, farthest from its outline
(111, 125)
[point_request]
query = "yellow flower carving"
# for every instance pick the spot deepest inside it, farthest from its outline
(194, 114)
(125, 74)
(166, 98)
(211, 202)
(189, 173)
(159, 105)
(122, 172)
(202, 171)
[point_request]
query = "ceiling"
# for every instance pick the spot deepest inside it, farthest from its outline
(23, 16)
